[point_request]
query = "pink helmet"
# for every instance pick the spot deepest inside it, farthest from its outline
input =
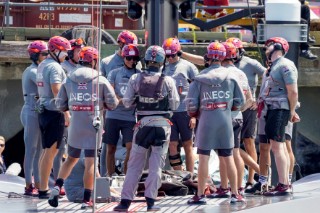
(37, 47)
(59, 43)
(279, 44)
(171, 46)
(130, 50)
(127, 37)
(76, 43)
(236, 42)
(88, 54)
(216, 51)
(231, 50)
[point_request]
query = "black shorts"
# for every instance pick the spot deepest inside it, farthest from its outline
(180, 127)
(52, 127)
(276, 121)
(75, 152)
(220, 152)
(263, 139)
(249, 124)
(237, 126)
(112, 130)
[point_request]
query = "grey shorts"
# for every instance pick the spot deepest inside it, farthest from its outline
(249, 124)
(113, 127)
(220, 152)
(237, 126)
(180, 128)
(75, 153)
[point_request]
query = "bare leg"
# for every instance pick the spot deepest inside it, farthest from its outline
(239, 166)
(249, 161)
(202, 173)
(280, 152)
(173, 150)
(188, 149)
(111, 150)
(128, 147)
(250, 147)
(45, 166)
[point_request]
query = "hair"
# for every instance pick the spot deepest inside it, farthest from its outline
(2, 139)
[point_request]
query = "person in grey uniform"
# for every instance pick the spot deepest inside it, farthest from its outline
(38, 51)
(155, 96)
(83, 92)
(264, 145)
(280, 98)
(72, 61)
(69, 65)
(121, 119)
(52, 122)
(183, 72)
(108, 64)
(253, 69)
(212, 96)
(237, 121)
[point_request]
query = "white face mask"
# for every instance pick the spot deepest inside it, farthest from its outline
(63, 55)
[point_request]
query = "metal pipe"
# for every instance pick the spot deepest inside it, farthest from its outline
(7, 3)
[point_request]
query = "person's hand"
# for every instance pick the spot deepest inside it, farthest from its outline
(192, 123)
(67, 117)
(294, 117)
(254, 105)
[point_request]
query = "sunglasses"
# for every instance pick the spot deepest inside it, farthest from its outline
(171, 56)
(129, 58)
(2, 145)
(44, 54)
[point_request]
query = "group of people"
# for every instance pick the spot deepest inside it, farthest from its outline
(159, 108)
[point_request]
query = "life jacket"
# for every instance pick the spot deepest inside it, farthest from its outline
(150, 97)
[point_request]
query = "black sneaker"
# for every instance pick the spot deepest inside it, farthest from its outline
(198, 200)
(308, 55)
(44, 194)
(257, 189)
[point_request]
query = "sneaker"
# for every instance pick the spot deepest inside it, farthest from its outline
(308, 55)
(279, 190)
(248, 185)
(241, 191)
(86, 204)
(311, 39)
(257, 188)
(44, 194)
(236, 198)
(54, 197)
(220, 193)
(31, 191)
(62, 191)
(198, 200)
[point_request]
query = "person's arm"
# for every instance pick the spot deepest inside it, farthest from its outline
(292, 90)
(174, 98)
(193, 99)
(195, 59)
(61, 101)
(130, 95)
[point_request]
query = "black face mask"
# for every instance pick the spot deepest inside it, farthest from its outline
(153, 69)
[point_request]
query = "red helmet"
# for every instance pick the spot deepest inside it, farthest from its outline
(37, 47)
(216, 50)
(130, 50)
(59, 43)
(279, 44)
(88, 54)
(231, 50)
(171, 46)
(127, 37)
(236, 42)
(76, 43)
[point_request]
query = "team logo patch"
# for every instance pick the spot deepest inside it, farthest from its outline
(285, 69)
(82, 85)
